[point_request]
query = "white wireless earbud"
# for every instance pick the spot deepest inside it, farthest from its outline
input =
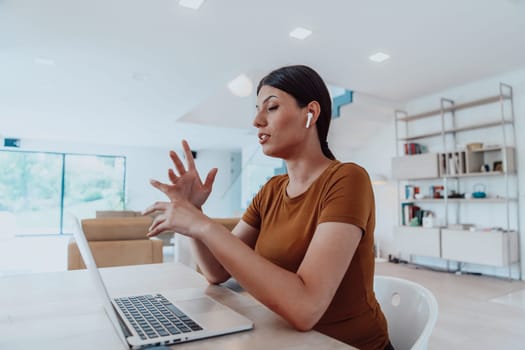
(309, 115)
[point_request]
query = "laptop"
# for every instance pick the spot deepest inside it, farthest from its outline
(158, 319)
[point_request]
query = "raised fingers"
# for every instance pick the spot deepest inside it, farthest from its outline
(171, 175)
(210, 178)
(177, 162)
(187, 153)
(160, 186)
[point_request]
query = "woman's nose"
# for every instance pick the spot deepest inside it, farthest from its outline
(258, 121)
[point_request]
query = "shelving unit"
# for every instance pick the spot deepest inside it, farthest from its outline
(459, 147)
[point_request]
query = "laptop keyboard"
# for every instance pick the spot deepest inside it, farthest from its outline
(154, 316)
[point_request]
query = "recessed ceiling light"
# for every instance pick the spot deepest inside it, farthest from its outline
(191, 4)
(300, 33)
(44, 61)
(379, 57)
(241, 86)
(138, 76)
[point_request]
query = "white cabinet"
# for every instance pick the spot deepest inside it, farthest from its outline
(487, 248)
(418, 241)
(418, 166)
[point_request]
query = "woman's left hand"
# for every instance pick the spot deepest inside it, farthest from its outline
(187, 184)
(179, 216)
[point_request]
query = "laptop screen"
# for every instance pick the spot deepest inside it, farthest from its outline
(89, 260)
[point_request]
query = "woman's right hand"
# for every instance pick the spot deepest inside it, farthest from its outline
(179, 216)
(187, 184)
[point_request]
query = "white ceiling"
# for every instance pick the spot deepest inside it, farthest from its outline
(124, 71)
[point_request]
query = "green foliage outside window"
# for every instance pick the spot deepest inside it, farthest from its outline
(43, 189)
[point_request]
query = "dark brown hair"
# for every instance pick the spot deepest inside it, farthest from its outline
(305, 85)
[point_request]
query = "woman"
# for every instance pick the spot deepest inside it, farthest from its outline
(309, 232)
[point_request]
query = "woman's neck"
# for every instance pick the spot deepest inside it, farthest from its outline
(302, 173)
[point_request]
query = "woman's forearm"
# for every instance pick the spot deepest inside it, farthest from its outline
(300, 297)
(282, 291)
(207, 263)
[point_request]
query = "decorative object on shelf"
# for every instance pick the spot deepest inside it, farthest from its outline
(479, 191)
(414, 221)
(454, 194)
(437, 191)
(497, 166)
(474, 146)
(411, 192)
(428, 220)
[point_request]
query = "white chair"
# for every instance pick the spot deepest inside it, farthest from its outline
(410, 309)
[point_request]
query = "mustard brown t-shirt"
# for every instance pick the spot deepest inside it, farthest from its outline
(342, 193)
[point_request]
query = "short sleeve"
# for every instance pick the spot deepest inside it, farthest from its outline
(262, 201)
(349, 197)
(252, 215)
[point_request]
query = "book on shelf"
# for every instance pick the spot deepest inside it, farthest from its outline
(412, 215)
(414, 148)
(409, 212)
(452, 163)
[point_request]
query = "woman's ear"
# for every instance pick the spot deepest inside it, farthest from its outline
(313, 110)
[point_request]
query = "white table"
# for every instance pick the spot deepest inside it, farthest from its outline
(61, 310)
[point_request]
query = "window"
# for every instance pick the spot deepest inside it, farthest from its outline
(43, 190)
(256, 171)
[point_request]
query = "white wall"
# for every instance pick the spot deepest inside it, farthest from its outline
(225, 199)
(369, 121)
(257, 168)
(376, 159)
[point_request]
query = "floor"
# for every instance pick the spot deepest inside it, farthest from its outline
(475, 312)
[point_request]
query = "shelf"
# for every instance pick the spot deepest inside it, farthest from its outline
(450, 131)
(486, 149)
(441, 129)
(477, 174)
(421, 136)
(475, 103)
(459, 200)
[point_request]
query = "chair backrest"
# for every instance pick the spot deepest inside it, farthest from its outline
(117, 241)
(116, 228)
(116, 213)
(411, 311)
